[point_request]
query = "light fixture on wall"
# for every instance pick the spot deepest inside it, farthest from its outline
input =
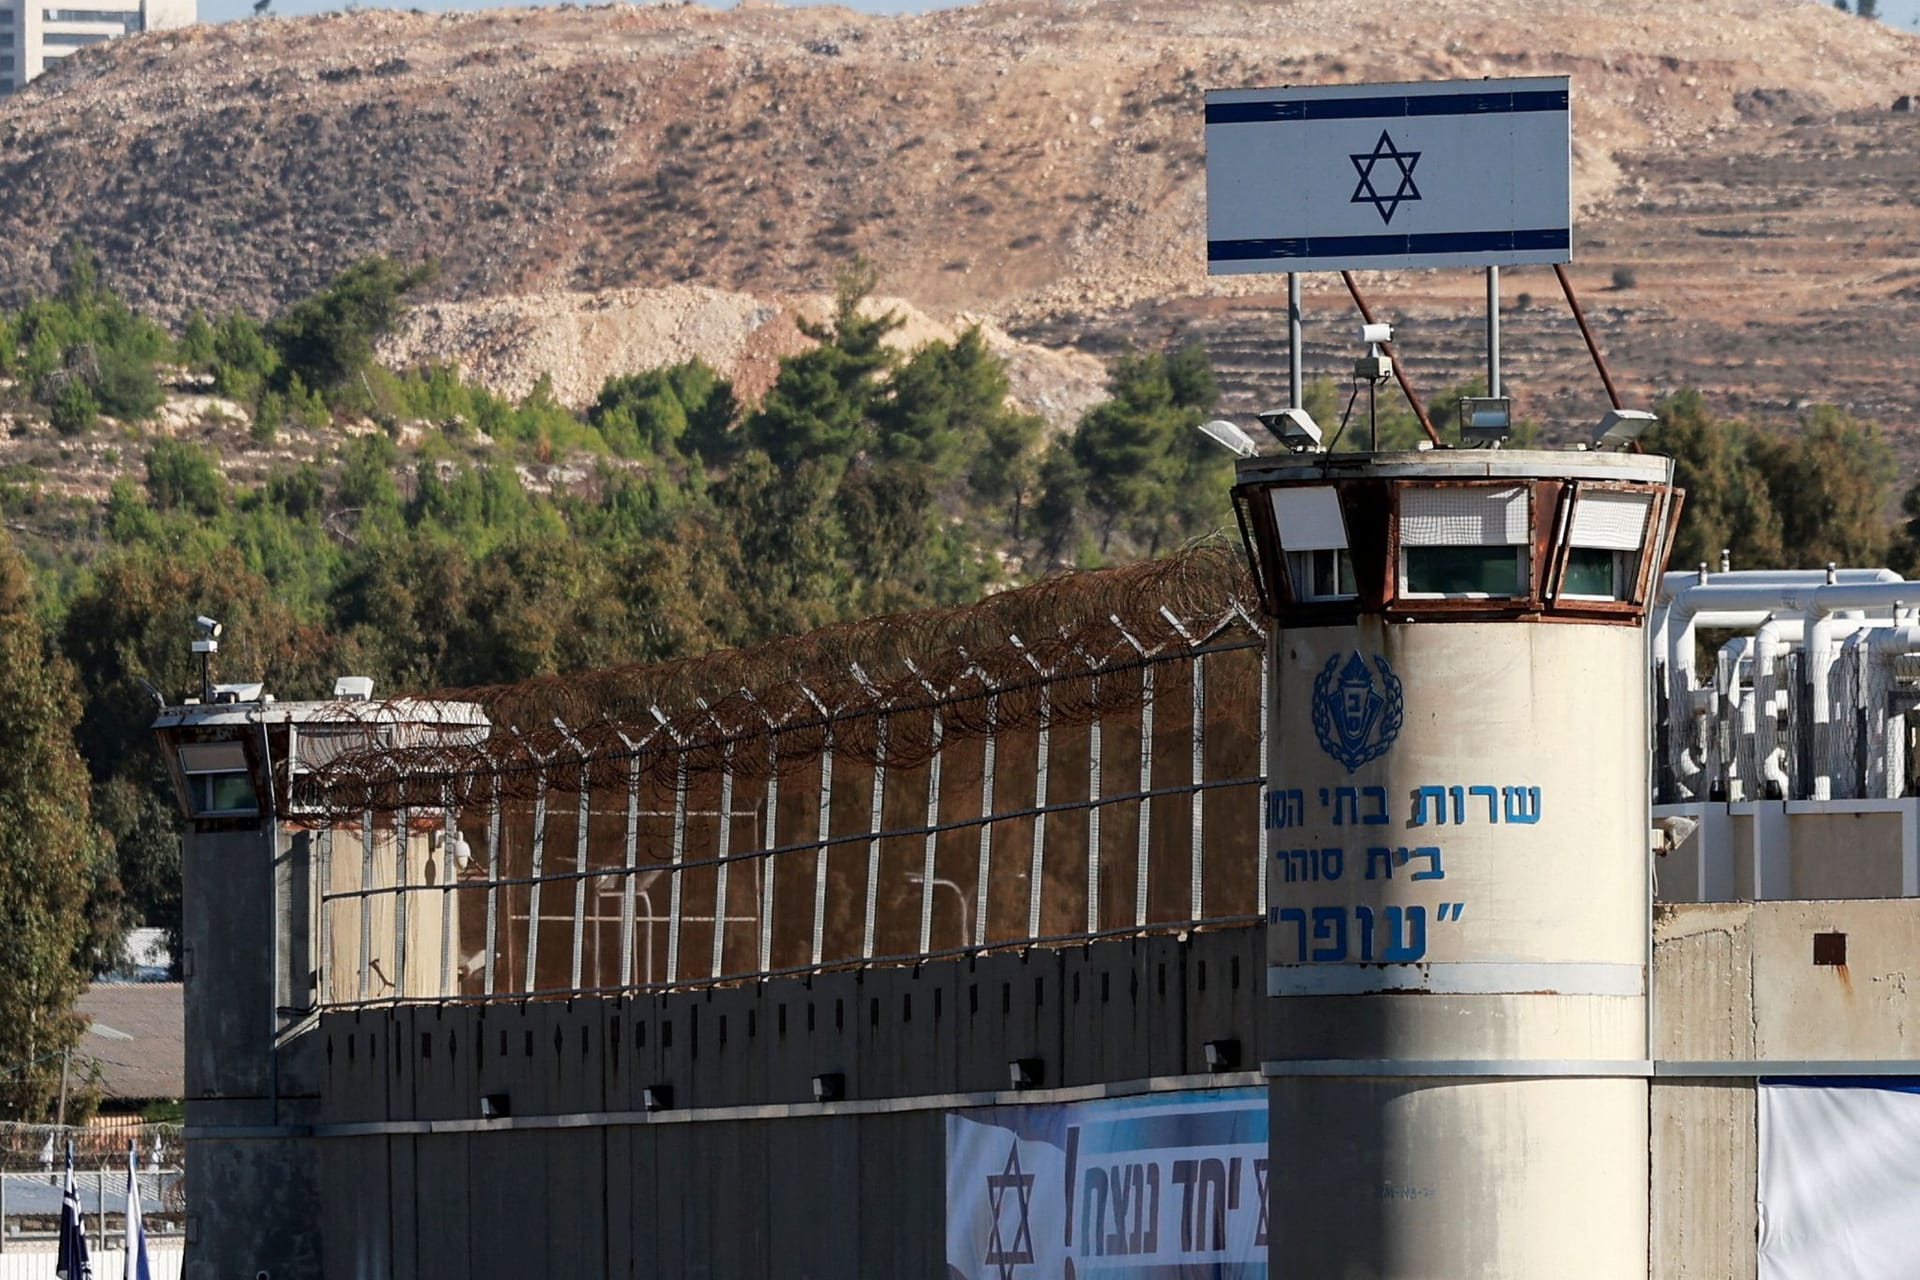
(1026, 1073)
(829, 1086)
(1221, 1055)
(495, 1106)
(657, 1097)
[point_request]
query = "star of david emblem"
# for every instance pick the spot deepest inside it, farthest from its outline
(999, 1253)
(1368, 193)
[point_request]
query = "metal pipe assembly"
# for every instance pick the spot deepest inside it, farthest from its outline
(1809, 703)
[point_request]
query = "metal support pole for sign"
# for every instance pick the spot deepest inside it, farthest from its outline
(1295, 392)
(1493, 332)
(1586, 334)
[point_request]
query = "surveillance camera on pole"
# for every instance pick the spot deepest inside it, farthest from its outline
(1375, 366)
(206, 643)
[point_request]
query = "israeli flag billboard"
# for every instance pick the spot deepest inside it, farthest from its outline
(1458, 173)
(1160, 1185)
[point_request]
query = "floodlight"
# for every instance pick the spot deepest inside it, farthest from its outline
(1229, 437)
(829, 1086)
(1375, 334)
(1295, 428)
(657, 1097)
(1221, 1055)
(207, 627)
(1622, 427)
(495, 1106)
(1025, 1073)
(1486, 418)
(353, 688)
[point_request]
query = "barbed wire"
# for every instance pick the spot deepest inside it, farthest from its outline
(892, 689)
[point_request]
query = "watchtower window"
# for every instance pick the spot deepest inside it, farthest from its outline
(1464, 541)
(1313, 532)
(219, 780)
(1604, 544)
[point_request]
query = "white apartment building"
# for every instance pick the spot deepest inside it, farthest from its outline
(34, 34)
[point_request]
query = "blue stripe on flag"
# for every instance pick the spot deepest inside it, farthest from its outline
(1432, 242)
(1393, 107)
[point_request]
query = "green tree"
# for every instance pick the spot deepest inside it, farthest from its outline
(52, 858)
(939, 404)
(819, 404)
(1729, 500)
(327, 340)
(183, 477)
(1146, 471)
(1007, 465)
(1831, 483)
(684, 408)
(195, 345)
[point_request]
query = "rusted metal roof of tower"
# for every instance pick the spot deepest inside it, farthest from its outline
(883, 687)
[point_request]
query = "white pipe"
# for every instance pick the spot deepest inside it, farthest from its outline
(1823, 631)
(1885, 647)
(1673, 582)
(1743, 600)
(1723, 748)
(1775, 636)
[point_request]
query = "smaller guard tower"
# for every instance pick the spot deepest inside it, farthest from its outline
(256, 861)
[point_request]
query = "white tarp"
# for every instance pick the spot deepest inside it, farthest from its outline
(1436, 174)
(1840, 1180)
(1162, 1184)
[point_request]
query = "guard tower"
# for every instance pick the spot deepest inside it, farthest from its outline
(257, 861)
(1458, 923)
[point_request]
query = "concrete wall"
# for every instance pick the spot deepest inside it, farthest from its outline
(1738, 992)
(745, 1175)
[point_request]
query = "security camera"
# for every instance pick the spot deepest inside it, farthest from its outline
(1374, 366)
(1293, 427)
(207, 627)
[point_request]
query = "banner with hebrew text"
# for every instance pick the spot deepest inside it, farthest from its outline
(1155, 1185)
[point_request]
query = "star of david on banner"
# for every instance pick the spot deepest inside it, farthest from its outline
(1367, 193)
(1000, 1254)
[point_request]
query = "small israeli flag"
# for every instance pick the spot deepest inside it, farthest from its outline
(137, 1267)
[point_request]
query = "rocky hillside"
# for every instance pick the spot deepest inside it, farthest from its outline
(672, 169)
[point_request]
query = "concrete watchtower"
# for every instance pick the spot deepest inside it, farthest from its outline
(257, 865)
(1458, 883)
